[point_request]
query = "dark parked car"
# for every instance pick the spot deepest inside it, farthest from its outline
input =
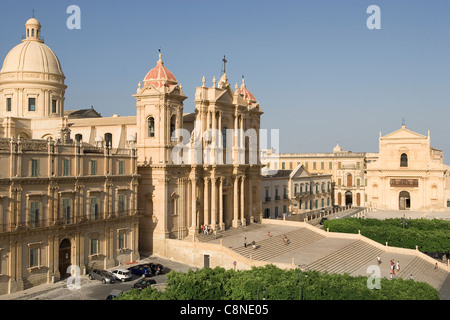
(322, 221)
(143, 283)
(102, 275)
(156, 268)
(114, 294)
(141, 270)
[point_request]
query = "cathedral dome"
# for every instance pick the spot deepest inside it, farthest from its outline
(160, 76)
(32, 55)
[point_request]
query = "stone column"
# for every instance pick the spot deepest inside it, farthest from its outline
(206, 202)
(221, 223)
(213, 203)
(243, 220)
(193, 228)
(250, 200)
(236, 202)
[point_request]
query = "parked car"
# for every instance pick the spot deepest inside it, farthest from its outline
(141, 270)
(143, 283)
(113, 294)
(156, 268)
(322, 221)
(121, 274)
(102, 275)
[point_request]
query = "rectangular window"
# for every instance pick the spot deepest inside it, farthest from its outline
(34, 257)
(54, 102)
(290, 165)
(358, 165)
(121, 167)
(282, 166)
(121, 240)
(306, 165)
(93, 246)
(66, 167)
(339, 166)
(93, 167)
(330, 165)
(31, 104)
(314, 166)
(94, 208)
(322, 165)
(339, 182)
(358, 182)
(121, 204)
(323, 202)
(8, 104)
(34, 214)
(284, 209)
(66, 206)
(34, 168)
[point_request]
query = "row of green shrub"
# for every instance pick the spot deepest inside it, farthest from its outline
(428, 235)
(273, 283)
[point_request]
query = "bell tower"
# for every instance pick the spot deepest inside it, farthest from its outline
(159, 104)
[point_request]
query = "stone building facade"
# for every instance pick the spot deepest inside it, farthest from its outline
(409, 174)
(294, 192)
(159, 174)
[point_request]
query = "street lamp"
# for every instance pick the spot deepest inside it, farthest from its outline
(403, 221)
(302, 267)
(263, 292)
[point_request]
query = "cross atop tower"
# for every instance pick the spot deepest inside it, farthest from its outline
(224, 60)
(33, 12)
(403, 123)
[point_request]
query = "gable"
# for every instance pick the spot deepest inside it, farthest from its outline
(300, 172)
(403, 134)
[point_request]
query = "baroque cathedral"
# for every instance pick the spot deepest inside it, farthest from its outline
(79, 189)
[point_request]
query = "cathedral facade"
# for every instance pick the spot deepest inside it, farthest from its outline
(78, 189)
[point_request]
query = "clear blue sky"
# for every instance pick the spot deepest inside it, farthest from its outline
(320, 74)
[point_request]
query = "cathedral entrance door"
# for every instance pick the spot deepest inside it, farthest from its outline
(404, 201)
(348, 198)
(64, 258)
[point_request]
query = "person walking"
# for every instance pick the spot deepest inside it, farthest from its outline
(379, 260)
(245, 242)
(436, 267)
(398, 266)
(254, 245)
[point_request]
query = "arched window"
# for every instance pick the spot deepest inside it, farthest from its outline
(151, 127)
(78, 137)
(32, 32)
(404, 160)
(349, 180)
(108, 139)
(173, 121)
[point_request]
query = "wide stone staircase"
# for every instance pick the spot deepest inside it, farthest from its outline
(274, 246)
(348, 259)
(424, 271)
(353, 258)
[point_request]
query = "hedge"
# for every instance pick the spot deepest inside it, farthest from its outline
(278, 284)
(431, 236)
